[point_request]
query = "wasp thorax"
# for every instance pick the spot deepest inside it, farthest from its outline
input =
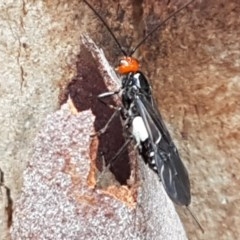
(127, 65)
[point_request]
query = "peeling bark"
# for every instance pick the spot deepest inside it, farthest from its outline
(192, 63)
(60, 198)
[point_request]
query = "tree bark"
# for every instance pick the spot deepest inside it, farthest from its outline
(192, 63)
(60, 197)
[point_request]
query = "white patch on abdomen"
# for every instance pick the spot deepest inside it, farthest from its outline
(139, 130)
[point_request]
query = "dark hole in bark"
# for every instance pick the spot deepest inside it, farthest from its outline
(84, 89)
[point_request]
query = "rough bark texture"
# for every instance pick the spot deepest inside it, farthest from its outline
(57, 203)
(193, 65)
(60, 199)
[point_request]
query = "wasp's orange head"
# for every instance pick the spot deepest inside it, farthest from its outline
(127, 65)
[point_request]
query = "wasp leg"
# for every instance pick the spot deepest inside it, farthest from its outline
(106, 173)
(116, 112)
(120, 151)
(104, 129)
(106, 95)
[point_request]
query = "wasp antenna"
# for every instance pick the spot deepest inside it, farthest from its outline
(158, 26)
(106, 25)
(195, 219)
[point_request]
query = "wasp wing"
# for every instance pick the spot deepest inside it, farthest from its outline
(169, 165)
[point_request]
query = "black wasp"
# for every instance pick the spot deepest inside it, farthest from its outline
(145, 124)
